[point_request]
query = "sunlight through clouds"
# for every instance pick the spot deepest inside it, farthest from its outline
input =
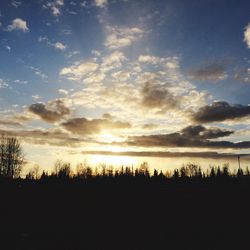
(129, 76)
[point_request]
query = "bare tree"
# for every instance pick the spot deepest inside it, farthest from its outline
(83, 170)
(62, 169)
(11, 157)
(37, 171)
(57, 166)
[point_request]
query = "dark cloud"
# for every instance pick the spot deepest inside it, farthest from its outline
(83, 126)
(191, 136)
(204, 133)
(220, 111)
(157, 96)
(209, 72)
(213, 155)
(49, 137)
(52, 112)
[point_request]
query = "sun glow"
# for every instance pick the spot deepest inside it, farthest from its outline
(109, 138)
(115, 161)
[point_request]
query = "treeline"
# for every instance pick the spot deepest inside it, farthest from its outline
(84, 172)
(12, 161)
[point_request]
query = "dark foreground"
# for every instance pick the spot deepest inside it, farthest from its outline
(72, 215)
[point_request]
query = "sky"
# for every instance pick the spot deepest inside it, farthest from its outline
(125, 81)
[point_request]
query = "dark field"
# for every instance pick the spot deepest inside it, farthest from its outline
(127, 215)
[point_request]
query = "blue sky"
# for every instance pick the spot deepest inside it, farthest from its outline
(110, 75)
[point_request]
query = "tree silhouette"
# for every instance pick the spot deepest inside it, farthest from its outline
(212, 172)
(218, 172)
(225, 170)
(176, 174)
(11, 157)
(34, 173)
(240, 172)
(62, 169)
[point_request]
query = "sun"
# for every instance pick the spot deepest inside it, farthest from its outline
(108, 137)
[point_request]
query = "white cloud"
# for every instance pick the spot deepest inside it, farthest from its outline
(243, 75)
(18, 24)
(247, 35)
(16, 4)
(63, 91)
(8, 47)
(3, 84)
(122, 37)
(101, 3)
(59, 2)
(42, 75)
(36, 97)
(148, 59)
(38, 72)
(159, 84)
(20, 81)
(79, 70)
(67, 31)
(121, 76)
(72, 53)
(92, 71)
(96, 53)
(170, 63)
(56, 45)
(42, 39)
(71, 12)
(95, 78)
(149, 84)
(54, 6)
(114, 60)
(59, 45)
(85, 4)
(55, 11)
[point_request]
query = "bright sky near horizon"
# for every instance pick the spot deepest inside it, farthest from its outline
(114, 80)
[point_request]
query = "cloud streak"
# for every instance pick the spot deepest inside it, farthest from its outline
(209, 72)
(162, 154)
(191, 136)
(84, 126)
(48, 137)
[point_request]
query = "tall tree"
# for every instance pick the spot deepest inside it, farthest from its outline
(11, 157)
